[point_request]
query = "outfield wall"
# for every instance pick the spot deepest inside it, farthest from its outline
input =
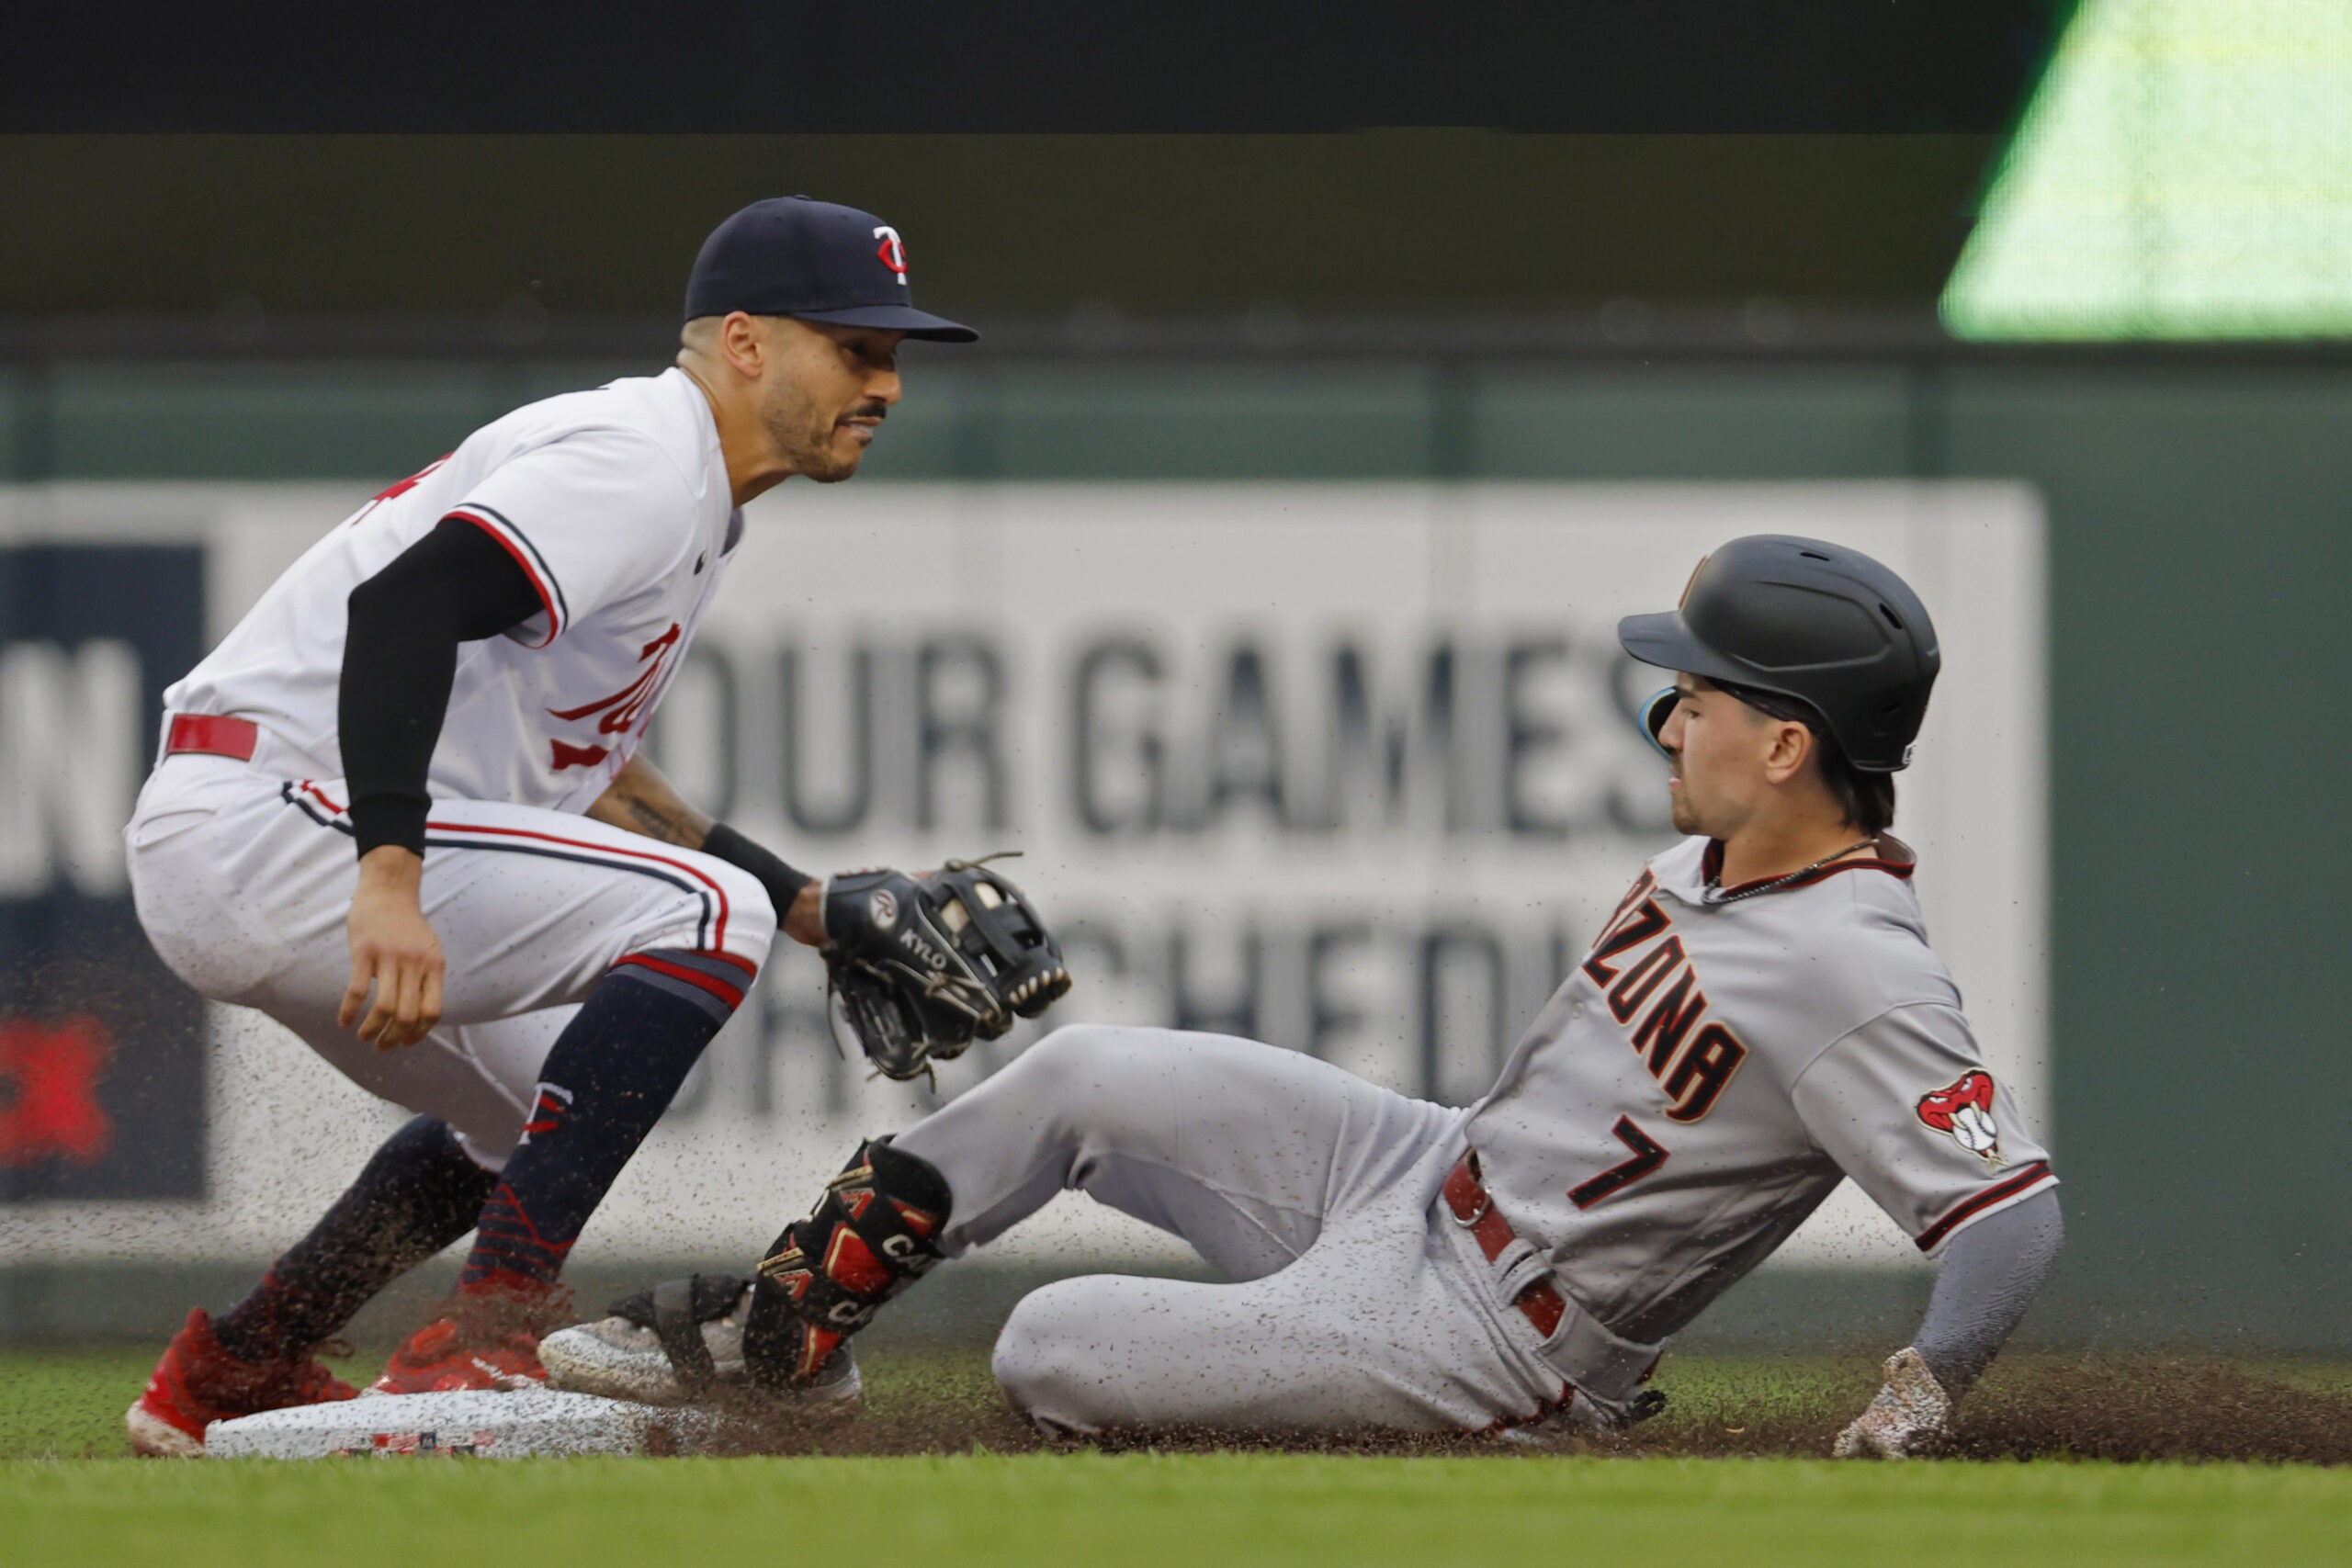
(2195, 554)
(1352, 769)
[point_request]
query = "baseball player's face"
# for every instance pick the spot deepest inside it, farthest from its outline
(828, 390)
(1721, 750)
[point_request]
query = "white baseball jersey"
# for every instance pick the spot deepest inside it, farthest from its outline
(615, 502)
(1716, 1065)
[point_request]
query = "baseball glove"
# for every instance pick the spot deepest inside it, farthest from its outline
(919, 966)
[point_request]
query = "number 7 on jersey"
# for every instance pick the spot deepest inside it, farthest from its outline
(1648, 1156)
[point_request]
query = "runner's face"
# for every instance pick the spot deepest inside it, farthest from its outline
(1719, 745)
(828, 395)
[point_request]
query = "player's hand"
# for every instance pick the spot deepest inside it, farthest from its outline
(394, 951)
(1910, 1416)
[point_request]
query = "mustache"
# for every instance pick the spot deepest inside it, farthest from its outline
(876, 411)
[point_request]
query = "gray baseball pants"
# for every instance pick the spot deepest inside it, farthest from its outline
(1314, 1191)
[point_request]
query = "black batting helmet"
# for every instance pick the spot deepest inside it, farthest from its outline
(1817, 622)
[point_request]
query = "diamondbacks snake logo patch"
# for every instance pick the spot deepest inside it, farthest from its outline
(1964, 1109)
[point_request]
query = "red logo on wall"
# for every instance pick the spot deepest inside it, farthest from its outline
(49, 1092)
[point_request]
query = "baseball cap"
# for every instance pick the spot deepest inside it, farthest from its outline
(790, 256)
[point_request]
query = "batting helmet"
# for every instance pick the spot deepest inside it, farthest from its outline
(1817, 622)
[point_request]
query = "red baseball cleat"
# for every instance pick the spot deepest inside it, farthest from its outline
(486, 1341)
(198, 1383)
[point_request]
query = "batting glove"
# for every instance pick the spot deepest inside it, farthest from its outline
(1910, 1416)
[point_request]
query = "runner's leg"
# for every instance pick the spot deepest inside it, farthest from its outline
(1243, 1149)
(1366, 1332)
(1303, 1182)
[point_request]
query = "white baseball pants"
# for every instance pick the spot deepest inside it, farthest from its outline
(243, 882)
(1314, 1189)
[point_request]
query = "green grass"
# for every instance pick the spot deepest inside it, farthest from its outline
(1134, 1509)
(1129, 1511)
(68, 1404)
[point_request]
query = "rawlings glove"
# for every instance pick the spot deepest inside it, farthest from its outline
(1909, 1416)
(919, 966)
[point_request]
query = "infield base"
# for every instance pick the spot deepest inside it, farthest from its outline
(475, 1424)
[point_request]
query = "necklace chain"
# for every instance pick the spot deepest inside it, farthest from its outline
(1780, 881)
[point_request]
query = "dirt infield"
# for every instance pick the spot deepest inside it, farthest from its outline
(68, 1404)
(2124, 1408)
(2154, 1409)
(2089, 1407)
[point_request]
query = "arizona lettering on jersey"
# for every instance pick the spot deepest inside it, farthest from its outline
(1714, 1069)
(1640, 944)
(615, 504)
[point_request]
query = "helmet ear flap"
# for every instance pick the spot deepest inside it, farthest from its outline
(1655, 710)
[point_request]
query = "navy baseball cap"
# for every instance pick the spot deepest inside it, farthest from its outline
(816, 262)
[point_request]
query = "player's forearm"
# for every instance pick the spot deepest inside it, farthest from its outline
(642, 801)
(1991, 1273)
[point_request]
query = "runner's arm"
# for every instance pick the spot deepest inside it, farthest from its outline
(1990, 1274)
(1905, 1107)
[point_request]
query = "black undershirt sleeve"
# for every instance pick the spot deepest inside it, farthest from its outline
(400, 658)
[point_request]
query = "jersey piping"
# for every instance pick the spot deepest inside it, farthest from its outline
(2021, 1184)
(527, 556)
(1712, 865)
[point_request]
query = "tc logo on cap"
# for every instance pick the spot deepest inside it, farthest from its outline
(893, 253)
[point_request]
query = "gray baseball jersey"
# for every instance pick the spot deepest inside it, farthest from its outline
(1709, 1073)
(1720, 1060)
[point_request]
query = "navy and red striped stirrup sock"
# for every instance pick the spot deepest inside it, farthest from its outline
(417, 1194)
(608, 1078)
(716, 982)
